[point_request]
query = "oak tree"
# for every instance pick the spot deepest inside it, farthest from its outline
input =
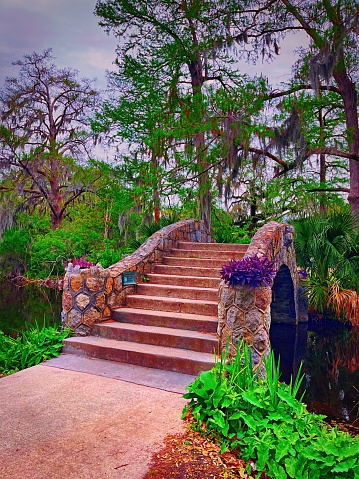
(44, 134)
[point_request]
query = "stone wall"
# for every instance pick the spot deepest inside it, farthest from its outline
(245, 313)
(90, 294)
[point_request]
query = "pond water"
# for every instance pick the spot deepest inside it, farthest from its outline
(330, 354)
(330, 351)
(29, 304)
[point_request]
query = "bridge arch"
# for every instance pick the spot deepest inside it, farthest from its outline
(283, 298)
(248, 314)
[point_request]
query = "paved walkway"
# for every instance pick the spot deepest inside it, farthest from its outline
(59, 422)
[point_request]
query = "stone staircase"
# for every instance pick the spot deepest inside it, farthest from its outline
(171, 322)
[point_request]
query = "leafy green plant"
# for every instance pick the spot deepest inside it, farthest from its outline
(107, 257)
(14, 251)
(262, 420)
(31, 347)
(225, 231)
(327, 247)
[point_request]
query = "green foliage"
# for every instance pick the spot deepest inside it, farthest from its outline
(225, 231)
(109, 256)
(30, 348)
(151, 227)
(14, 251)
(327, 247)
(263, 421)
(51, 251)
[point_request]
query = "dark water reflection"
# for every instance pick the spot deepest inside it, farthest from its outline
(26, 305)
(331, 366)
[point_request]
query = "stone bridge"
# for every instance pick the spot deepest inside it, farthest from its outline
(92, 296)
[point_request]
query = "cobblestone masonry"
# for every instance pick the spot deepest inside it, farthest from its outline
(246, 313)
(90, 294)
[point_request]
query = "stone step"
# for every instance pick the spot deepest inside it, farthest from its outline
(202, 263)
(187, 271)
(173, 291)
(157, 336)
(213, 246)
(168, 319)
(147, 355)
(193, 306)
(226, 255)
(196, 281)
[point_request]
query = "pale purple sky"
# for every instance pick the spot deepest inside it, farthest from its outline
(70, 28)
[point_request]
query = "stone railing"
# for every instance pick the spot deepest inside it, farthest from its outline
(245, 313)
(90, 294)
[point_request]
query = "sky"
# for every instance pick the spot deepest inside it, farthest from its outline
(71, 29)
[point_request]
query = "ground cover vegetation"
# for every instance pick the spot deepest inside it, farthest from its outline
(262, 420)
(30, 347)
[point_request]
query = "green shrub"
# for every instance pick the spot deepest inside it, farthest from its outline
(327, 248)
(225, 231)
(49, 254)
(33, 346)
(264, 422)
(14, 251)
(106, 257)
(51, 251)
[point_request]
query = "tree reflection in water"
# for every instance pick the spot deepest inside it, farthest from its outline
(25, 305)
(330, 352)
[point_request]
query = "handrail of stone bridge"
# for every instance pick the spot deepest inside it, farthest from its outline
(245, 313)
(90, 294)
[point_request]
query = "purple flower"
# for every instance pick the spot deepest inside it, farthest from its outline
(302, 274)
(253, 270)
(82, 262)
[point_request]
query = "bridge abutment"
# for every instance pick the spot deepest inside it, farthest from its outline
(246, 313)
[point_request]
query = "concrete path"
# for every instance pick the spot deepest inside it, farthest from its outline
(66, 424)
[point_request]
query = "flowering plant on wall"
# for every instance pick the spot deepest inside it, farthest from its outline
(82, 262)
(253, 270)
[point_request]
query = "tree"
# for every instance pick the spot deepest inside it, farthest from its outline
(185, 40)
(332, 28)
(131, 119)
(43, 132)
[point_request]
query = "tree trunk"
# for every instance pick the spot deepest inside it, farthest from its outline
(55, 221)
(156, 206)
(156, 193)
(205, 200)
(204, 182)
(322, 168)
(253, 208)
(350, 99)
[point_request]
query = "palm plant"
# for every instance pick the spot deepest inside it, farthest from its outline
(327, 247)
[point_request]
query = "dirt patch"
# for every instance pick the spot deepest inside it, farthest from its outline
(193, 456)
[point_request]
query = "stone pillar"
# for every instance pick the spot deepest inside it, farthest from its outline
(88, 295)
(245, 313)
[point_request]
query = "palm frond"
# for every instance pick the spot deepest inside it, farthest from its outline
(345, 303)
